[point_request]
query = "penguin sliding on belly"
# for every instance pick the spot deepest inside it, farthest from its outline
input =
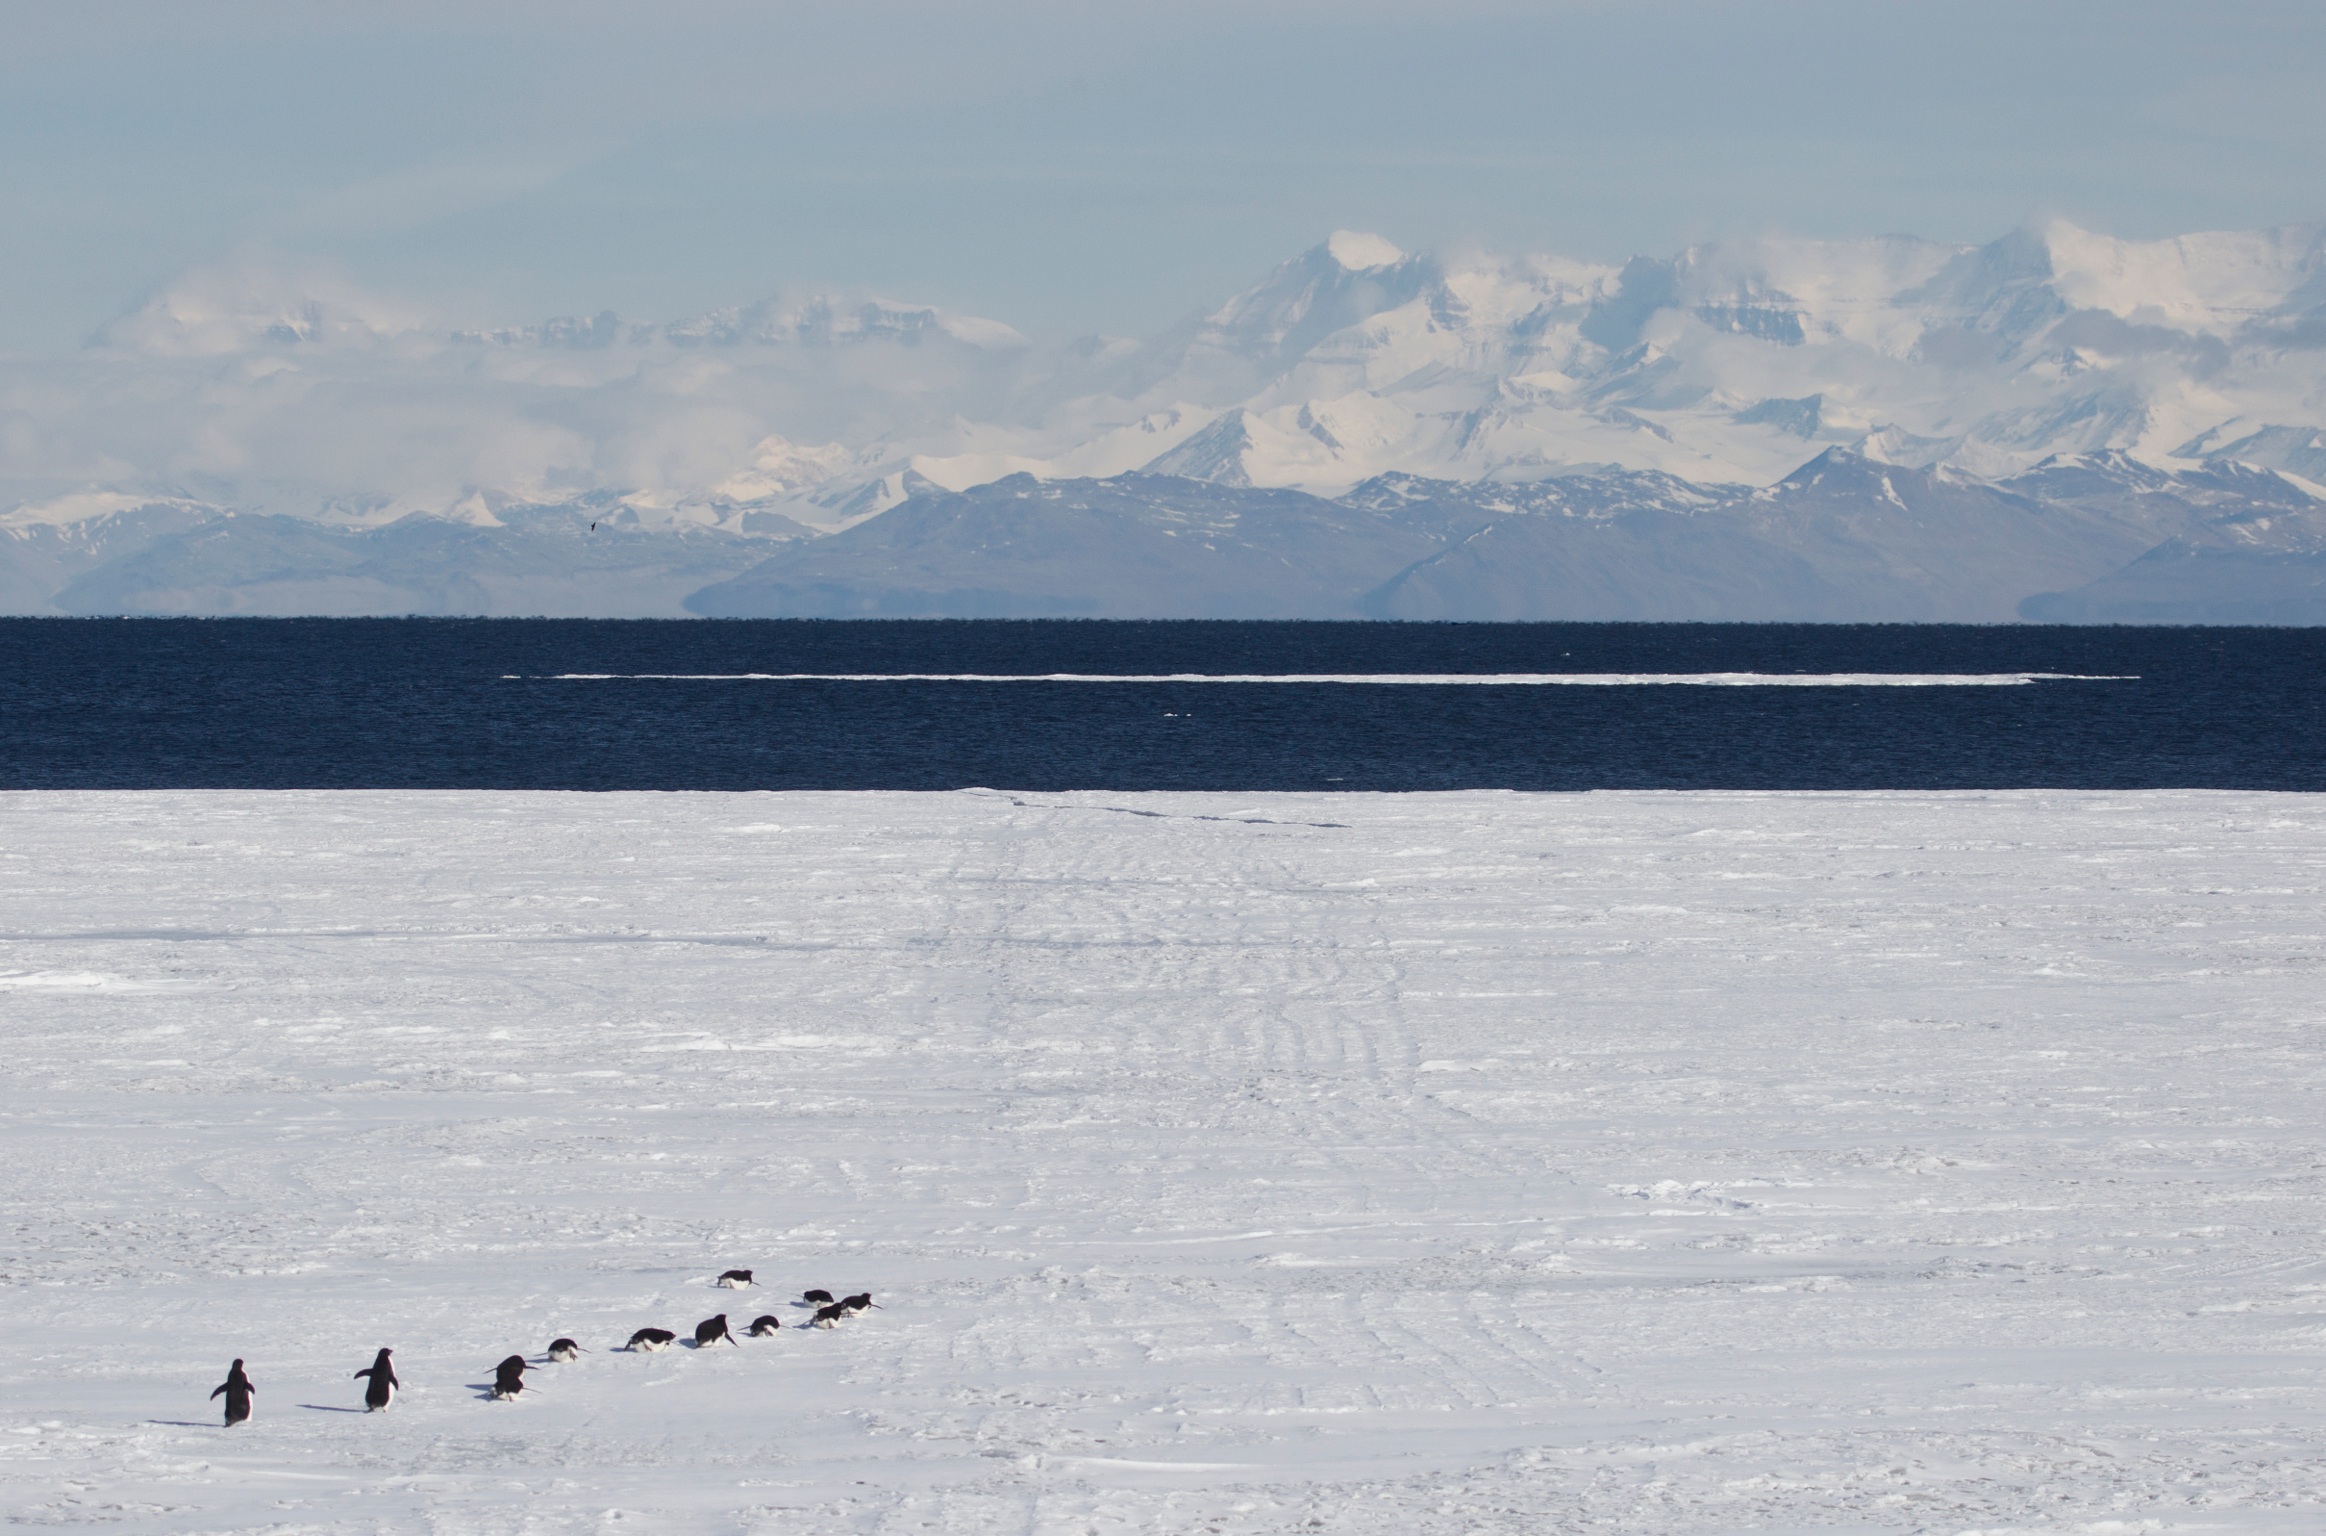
(764, 1325)
(562, 1350)
(736, 1279)
(384, 1383)
(509, 1378)
(651, 1339)
(238, 1391)
(711, 1330)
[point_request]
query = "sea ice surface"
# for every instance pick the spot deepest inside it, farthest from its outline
(1408, 1163)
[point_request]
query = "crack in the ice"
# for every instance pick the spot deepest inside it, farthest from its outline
(1132, 810)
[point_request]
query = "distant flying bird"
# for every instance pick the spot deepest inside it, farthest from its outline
(238, 1392)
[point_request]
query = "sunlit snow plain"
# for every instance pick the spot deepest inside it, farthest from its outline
(1420, 1163)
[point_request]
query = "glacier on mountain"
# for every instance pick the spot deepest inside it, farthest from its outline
(1728, 365)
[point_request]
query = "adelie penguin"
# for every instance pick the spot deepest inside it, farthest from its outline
(711, 1330)
(829, 1315)
(815, 1298)
(736, 1279)
(384, 1383)
(762, 1326)
(562, 1350)
(509, 1378)
(651, 1339)
(859, 1302)
(238, 1392)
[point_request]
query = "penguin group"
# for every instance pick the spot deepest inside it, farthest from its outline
(509, 1376)
(831, 1313)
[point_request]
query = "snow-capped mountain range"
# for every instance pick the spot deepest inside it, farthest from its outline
(1727, 366)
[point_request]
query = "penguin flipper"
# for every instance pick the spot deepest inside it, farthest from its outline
(214, 1391)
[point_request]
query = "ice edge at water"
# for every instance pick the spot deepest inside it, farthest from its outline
(1430, 679)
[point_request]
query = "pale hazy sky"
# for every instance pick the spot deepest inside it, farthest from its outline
(1070, 167)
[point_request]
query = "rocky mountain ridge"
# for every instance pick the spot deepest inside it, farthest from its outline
(1842, 539)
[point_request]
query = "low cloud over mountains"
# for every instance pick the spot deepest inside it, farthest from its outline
(1890, 428)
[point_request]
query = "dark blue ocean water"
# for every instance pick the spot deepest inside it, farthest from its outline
(380, 703)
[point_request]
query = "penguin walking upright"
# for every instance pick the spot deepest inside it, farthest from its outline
(384, 1383)
(238, 1391)
(711, 1330)
(509, 1377)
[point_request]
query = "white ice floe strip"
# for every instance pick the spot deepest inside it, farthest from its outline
(1430, 679)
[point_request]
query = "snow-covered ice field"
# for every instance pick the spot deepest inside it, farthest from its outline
(1427, 1163)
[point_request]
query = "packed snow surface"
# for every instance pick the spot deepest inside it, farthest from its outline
(1454, 1163)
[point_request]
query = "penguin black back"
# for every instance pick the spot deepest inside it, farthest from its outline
(238, 1392)
(711, 1330)
(509, 1377)
(761, 1327)
(564, 1349)
(858, 1302)
(651, 1339)
(828, 1315)
(816, 1298)
(736, 1279)
(382, 1372)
